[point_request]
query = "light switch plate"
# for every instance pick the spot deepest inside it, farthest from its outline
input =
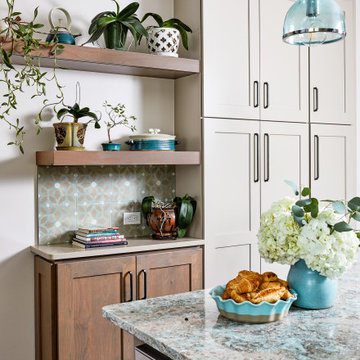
(132, 218)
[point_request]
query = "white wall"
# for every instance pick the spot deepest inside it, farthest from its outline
(151, 100)
(357, 93)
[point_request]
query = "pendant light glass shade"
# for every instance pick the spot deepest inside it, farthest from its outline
(314, 22)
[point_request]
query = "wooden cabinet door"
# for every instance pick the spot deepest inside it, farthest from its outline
(283, 67)
(231, 197)
(285, 156)
(230, 59)
(333, 162)
(168, 273)
(332, 76)
(83, 288)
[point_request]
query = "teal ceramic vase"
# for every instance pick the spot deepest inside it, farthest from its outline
(314, 290)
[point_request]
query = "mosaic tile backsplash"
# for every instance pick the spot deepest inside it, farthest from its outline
(72, 197)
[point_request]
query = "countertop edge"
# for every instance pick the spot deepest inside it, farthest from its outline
(67, 252)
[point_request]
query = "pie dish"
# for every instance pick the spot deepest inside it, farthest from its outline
(249, 312)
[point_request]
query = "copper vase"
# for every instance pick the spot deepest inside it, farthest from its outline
(163, 223)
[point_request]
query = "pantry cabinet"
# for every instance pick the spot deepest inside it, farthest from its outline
(70, 295)
(248, 72)
(245, 165)
(333, 165)
(332, 76)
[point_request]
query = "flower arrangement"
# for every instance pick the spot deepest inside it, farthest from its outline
(292, 230)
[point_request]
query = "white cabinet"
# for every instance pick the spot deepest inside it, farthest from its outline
(232, 198)
(248, 72)
(333, 168)
(332, 76)
(230, 57)
(285, 156)
(243, 159)
(283, 68)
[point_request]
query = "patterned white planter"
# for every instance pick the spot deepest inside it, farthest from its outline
(163, 41)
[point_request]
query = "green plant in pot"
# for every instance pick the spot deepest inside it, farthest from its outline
(19, 37)
(116, 117)
(164, 39)
(169, 220)
(115, 26)
(71, 135)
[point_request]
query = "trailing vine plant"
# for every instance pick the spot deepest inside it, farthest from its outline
(20, 37)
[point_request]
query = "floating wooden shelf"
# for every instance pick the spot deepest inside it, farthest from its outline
(95, 158)
(113, 61)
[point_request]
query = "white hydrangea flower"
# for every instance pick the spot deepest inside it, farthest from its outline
(278, 233)
(329, 254)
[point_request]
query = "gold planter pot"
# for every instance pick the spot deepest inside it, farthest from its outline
(70, 136)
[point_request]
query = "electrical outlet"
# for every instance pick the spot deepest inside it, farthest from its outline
(133, 218)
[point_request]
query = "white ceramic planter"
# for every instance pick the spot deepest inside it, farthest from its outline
(163, 41)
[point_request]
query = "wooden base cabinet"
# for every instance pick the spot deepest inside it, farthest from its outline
(70, 295)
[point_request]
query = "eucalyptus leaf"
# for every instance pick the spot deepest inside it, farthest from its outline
(314, 207)
(305, 191)
(294, 186)
(356, 216)
(339, 207)
(354, 204)
(342, 227)
(304, 202)
(298, 211)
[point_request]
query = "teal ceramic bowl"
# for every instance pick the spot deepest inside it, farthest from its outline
(111, 147)
(251, 313)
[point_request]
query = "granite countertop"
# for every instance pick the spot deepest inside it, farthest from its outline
(188, 326)
(68, 251)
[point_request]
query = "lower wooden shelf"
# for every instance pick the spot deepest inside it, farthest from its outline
(95, 158)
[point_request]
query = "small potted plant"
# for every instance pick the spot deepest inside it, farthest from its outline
(71, 135)
(117, 117)
(169, 220)
(164, 39)
(115, 26)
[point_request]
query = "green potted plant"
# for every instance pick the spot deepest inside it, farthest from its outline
(169, 220)
(71, 135)
(164, 39)
(116, 117)
(19, 37)
(115, 26)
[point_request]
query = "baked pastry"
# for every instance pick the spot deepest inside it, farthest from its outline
(256, 288)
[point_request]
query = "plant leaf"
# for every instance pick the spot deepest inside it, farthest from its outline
(342, 227)
(185, 214)
(146, 206)
(305, 191)
(298, 211)
(314, 208)
(61, 113)
(156, 17)
(303, 203)
(354, 204)
(356, 216)
(294, 187)
(128, 11)
(6, 59)
(339, 207)
(184, 36)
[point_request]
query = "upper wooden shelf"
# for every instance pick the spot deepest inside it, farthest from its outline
(95, 158)
(113, 61)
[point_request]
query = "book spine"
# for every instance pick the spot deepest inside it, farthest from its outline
(97, 238)
(99, 242)
(100, 233)
(91, 231)
(86, 246)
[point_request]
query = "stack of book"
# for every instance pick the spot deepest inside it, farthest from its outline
(91, 238)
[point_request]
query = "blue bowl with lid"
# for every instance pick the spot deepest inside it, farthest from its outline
(153, 141)
(249, 312)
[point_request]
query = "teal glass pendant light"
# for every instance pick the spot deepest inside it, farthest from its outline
(314, 22)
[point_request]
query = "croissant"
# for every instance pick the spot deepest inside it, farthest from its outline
(239, 298)
(269, 295)
(269, 276)
(248, 284)
(270, 285)
(287, 295)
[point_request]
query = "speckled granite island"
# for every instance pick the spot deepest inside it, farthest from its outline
(188, 326)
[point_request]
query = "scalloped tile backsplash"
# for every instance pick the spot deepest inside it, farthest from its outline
(69, 197)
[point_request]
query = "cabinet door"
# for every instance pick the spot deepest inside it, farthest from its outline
(283, 67)
(230, 59)
(232, 198)
(285, 156)
(83, 288)
(168, 273)
(332, 76)
(333, 155)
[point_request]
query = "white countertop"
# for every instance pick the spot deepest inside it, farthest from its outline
(67, 251)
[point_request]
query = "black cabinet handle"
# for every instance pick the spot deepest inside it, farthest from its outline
(316, 158)
(315, 99)
(145, 283)
(131, 286)
(256, 158)
(266, 157)
(266, 95)
(256, 94)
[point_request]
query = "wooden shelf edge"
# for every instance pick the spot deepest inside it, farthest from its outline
(114, 61)
(98, 158)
